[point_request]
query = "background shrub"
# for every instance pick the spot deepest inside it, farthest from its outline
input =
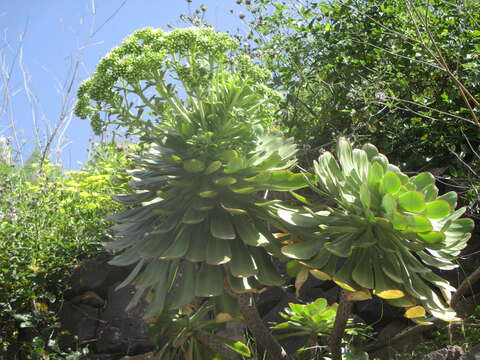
(50, 219)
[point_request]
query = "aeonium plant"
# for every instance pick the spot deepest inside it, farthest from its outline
(385, 232)
(197, 221)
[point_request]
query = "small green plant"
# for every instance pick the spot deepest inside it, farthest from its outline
(314, 319)
(314, 322)
(311, 321)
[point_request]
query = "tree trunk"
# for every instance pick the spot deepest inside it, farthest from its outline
(260, 332)
(343, 312)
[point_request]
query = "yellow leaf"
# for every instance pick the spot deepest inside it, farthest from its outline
(320, 275)
(415, 312)
(302, 276)
(222, 317)
(359, 295)
(390, 294)
(344, 286)
(41, 307)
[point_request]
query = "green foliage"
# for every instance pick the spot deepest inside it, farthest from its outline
(378, 70)
(49, 221)
(390, 229)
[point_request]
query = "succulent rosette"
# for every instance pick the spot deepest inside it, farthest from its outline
(385, 233)
(198, 217)
(198, 220)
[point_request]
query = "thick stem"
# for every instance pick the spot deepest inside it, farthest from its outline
(464, 287)
(343, 312)
(216, 346)
(258, 329)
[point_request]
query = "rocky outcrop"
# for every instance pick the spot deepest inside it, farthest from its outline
(450, 352)
(94, 315)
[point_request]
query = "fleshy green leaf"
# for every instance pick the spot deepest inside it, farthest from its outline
(235, 164)
(209, 281)
(240, 348)
(225, 181)
(221, 225)
(208, 194)
(301, 250)
(418, 223)
(390, 183)
(365, 196)
(423, 180)
(194, 166)
(248, 232)
(214, 166)
(296, 218)
(281, 180)
(450, 197)
(412, 201)
(389, 203)
(375, 174)
(344, 153)
(432, 237)
(218, 251)
(242, 264)
(371, 150)
(437, 209)
(462, 226)
(227, 155)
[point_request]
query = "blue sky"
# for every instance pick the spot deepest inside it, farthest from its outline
(56, 32)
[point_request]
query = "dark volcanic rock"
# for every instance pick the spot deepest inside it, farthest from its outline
(267, 300)
(376, 312)
(146, 356)
(313, 289)
(96, 313)
(80, 321)
(121, 330)
(447, 353)
(96, 275)
(89, 298)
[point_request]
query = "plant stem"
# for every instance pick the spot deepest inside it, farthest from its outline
(343, 312)
(258, 329)
(464, 287)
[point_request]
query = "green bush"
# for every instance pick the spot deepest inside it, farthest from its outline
(386, 72)
(49, 221)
